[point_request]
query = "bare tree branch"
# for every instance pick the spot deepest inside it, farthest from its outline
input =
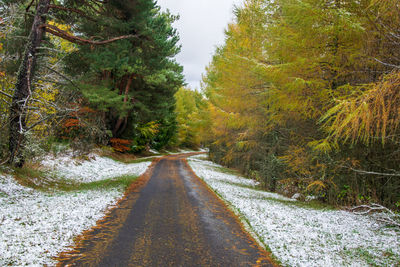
(5, 102)
(63, 76)
(80, 12)
(100, 1)
(77, 40)
(372, 173)
(28, 97)
(367, 209)
(48, 117)
(386, 216)
(387, 64)
(29, 6)
(5, 94)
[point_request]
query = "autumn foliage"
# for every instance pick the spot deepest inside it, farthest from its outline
(304, 97)
(120, 145)
(120, 68)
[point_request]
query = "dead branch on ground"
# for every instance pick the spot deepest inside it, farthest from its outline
(382, 214)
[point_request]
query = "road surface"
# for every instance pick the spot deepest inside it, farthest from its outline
(171, 219)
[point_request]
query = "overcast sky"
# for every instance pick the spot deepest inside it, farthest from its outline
(201, 28)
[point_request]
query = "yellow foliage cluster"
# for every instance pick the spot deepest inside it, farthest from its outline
(42, 102)
(6, 83)
(149, 130)
(61, 44)
(306, 170)
(191, 111)
(299, 82)
(235, 84)
(45, 93)
(373, 115)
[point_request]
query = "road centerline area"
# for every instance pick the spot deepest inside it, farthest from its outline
(174, 220)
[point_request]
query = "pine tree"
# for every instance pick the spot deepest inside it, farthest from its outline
(132, 32)
(132, 81)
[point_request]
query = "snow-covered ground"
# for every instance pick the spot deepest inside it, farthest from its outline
(95, 169)
(35, 226)
(299, 236)
(180, 151)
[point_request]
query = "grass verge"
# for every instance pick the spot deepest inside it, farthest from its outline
(32, 177)
(128, 158)
(122, 181)
(228, 171)
(313, 204)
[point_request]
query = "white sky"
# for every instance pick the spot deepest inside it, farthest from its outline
(201, 29)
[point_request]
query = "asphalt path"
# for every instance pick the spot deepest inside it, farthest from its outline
(171, 219)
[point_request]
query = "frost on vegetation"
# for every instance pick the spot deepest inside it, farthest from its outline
(180, 151)
(35, 226)
(95, 169)
(302, 236)
(154, 151)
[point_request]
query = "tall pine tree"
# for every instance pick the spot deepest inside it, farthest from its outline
(132, 81)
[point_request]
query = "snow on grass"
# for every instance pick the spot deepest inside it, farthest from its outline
(35, 226)
(95, 169)
(302, 236)
(180, 151)
(154, 151)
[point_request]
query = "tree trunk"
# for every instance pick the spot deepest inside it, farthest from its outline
(122, 120)
(23, 90)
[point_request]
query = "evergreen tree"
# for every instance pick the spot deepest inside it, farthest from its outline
(131, 81)
(38, 27)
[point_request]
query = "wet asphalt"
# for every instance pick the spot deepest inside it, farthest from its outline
(173, 220)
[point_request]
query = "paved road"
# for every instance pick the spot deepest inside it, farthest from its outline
(173, 219)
